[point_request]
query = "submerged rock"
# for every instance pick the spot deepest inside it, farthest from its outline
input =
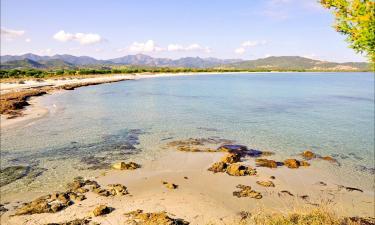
(13, 173)
(188, 148)
(246, 191)
(159, 218)
(126, 166)
(170, 185)
(101, 210)
(232, 148)
(329, 159)
(266, 163)
(231, 158)
(240, 170)
(266, 183)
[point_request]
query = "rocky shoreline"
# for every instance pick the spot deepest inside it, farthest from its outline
(131, 192)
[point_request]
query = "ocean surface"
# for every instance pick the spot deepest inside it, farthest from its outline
(91, 127)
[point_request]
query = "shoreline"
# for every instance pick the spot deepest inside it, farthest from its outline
(202, 197)
(200, 191)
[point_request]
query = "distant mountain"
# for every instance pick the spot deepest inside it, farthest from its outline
(139, 59)
(42, 64)
(269, 63)
(297, 63)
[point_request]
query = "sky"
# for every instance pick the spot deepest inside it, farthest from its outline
(246, 29)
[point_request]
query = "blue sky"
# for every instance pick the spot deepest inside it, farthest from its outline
(247, 29)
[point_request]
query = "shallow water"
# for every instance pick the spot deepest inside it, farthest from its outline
(90, 127)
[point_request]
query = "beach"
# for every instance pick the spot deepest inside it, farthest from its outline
(201, 196)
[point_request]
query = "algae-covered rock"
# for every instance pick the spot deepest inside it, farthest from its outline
(218, 167)
(101, 210)
(126, 166)
(231, 158)
(44, 204)
(158, 218)
(266, 183)
(13, 173)
(240, 170)
(266, 163)
(246, 191)
(170, 185)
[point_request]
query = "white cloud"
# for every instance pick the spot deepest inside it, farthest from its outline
(191, 47)
(10, 34)
(28, 40)
(240, 51)
(150, 46)
(248, 44)
(82, 38)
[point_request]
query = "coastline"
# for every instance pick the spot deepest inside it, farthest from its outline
(203, 197)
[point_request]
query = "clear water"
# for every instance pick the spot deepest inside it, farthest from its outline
(330, 113)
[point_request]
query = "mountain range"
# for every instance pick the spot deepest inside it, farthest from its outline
(270, 63)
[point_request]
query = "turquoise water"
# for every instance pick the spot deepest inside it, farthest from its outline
(330, 113)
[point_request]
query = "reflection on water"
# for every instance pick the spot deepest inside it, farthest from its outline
(330, 113)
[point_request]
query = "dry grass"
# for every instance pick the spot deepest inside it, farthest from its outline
(312, 216)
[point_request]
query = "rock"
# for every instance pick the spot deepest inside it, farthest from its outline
(45, 204)
(170, 185)
(285, 192)
(188, 148)
(291, 163)
(76, 197)
(349, 188)
(126, 166)
(266, 163)
(118, 189)
(231, 158)
(304, 163)
(272, 177)
(159, 218)
(101, 210)
(218, 167)
(266, 183)
(240, 170)
(360, 220)
(101, 192)
(2, 209)
(232, 148)
(308, 155)
(246, 191)
(73, 222)
(329, 159)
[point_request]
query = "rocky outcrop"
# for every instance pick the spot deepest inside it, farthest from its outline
(101, 210)
(231, 158)
(246, 191)
(240, 170)
(294, 164)
(218, 167)
(126, 166)
(266, 163)
(266, 183)
(44, 204)
(73, 222)
(140, 217)
(308, 155)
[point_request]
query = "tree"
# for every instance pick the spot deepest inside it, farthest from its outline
(356, 19)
